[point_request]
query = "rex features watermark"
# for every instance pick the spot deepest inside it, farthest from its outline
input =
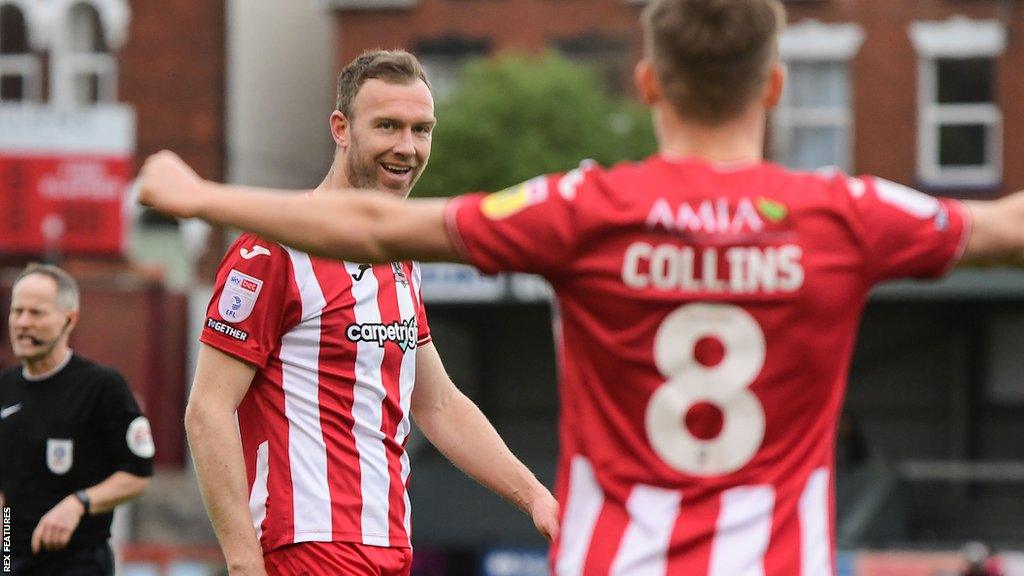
(7, 540)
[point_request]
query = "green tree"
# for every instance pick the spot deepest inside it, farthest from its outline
(513, 118)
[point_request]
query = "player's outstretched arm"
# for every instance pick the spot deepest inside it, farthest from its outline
(359, 226)
(220, 383)
(455, 425)
(997, 231)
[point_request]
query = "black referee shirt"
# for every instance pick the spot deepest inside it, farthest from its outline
(66, 433)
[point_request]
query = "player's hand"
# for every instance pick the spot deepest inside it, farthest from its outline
(56, 527)
(544, 511)
(168, 185)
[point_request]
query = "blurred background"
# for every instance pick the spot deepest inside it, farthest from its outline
(923, 92)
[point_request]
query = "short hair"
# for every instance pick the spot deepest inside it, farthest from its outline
(67, 287)
(712, 57)
(393, 66)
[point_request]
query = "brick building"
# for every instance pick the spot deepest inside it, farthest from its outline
(77, 54)
(922, 92)
(88, 88)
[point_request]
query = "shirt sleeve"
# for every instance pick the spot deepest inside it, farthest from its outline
(127, 436)
(527, 228)
(905, 233)
(252, 300)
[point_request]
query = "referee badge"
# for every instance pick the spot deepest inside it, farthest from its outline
(59, 455)
(140, 438)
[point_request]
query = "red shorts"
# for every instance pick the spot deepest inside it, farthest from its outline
(330, 558)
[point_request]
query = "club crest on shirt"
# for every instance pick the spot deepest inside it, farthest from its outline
(239, 296)
(515, 199)
(140, 438)
(59, 455)
(400, 277)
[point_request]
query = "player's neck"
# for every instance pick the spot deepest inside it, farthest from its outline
(38, 369)
(336, 179)
(740, 140)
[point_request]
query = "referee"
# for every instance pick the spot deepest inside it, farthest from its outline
(73, 442)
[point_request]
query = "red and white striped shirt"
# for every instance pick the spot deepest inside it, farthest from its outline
(707, 320)
(325, 420)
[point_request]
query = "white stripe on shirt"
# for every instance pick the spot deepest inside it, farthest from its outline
(367, 415)
(815, 536)
(652, 517)
(742, 532)
(406, 380)
(583, 506)
(307, 451)
(258, 495)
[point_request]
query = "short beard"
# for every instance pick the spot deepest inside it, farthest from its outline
(358, 174)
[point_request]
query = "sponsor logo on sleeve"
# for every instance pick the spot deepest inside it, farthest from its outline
(59, 455)
(239, 296)
(139, 438)
(230, 331)
(515, 199)
(570, 183)
(256, 250)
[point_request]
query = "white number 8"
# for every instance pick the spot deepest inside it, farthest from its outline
(724, 385)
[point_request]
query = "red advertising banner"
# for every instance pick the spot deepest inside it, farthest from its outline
(64, 174)
(63, 202)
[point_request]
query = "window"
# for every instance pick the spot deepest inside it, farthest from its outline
(20, 78)
(84, 70)
(959, 122)
(444, 58)
(608, 55)
(813, 124)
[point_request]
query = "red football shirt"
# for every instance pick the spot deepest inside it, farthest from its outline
(325, 420)
(706, 321)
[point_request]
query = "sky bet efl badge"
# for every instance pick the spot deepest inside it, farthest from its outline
(239, 296)
(511, 200)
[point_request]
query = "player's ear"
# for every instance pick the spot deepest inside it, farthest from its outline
(340, 129)
(776, 83)
(647, 84)
(71, 322)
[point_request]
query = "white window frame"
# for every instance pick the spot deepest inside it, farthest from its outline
(814, 41)
(67, 64)
(26, 65)
(955, 38)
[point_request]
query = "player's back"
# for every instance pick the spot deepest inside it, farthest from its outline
(707, 317)
(708, 326)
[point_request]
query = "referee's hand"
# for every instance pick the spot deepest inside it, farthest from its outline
(56, 527)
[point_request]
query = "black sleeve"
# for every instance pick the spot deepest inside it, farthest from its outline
(127, 437)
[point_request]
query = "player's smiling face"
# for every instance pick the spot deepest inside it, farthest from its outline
(388, 138)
